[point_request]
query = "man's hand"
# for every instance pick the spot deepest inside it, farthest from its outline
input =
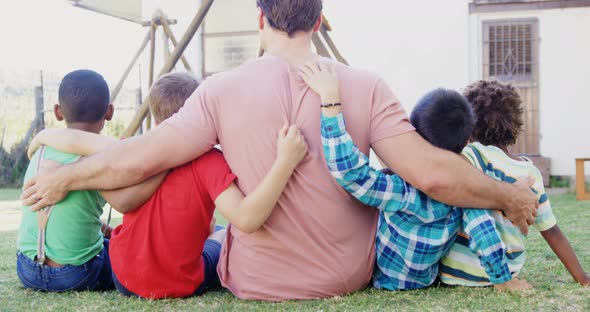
(521, 204)
(45, 189)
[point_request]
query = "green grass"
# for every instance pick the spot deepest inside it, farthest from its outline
(554, 287)
(9, 194)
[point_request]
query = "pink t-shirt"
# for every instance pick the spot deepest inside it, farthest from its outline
(318, 241)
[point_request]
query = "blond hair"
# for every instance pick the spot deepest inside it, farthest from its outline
(169, 93)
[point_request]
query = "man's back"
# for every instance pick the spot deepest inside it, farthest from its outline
(318, 242)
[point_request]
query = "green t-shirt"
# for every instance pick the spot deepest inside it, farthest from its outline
(73, 232)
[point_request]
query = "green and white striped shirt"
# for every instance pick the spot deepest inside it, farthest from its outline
(461, 266)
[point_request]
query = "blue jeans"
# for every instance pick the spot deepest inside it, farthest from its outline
(93, 275)
(210, 255)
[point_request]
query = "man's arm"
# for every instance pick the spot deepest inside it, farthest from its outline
(85, 143)
(250, 212)
(445, 177)
(185, 136)
(442, 175)
(351, 169)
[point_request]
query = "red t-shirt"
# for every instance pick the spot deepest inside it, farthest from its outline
(156, 252)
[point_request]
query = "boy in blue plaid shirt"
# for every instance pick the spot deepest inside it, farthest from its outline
(414, 231)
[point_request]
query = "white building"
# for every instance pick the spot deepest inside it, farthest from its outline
(543, 47)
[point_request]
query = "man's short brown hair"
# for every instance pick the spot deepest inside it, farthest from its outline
(169, 93)
(498, 112)
(291, 16)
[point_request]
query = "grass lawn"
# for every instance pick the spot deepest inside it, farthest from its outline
(554, 287)
(9, 194)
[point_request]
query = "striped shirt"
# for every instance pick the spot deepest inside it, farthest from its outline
(461, 266)
(414, 230)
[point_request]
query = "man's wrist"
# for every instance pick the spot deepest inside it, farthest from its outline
(64, 178)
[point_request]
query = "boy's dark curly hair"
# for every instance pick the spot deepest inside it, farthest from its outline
(498, 112)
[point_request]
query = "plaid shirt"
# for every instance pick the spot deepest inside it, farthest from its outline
(414, 230)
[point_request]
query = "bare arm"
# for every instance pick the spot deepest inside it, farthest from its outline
(250, 212)
(183, 137)
(441, 174)
(127, 199)
(564, 251)
(71, 141)
(445, 177)
(85, 143)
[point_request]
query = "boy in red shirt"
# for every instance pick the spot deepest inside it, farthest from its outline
(164, 248)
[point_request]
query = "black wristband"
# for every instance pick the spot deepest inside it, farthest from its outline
(326, 105)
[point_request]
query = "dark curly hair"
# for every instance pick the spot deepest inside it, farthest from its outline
(498, 112)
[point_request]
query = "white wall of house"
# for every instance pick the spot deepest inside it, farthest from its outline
(419, 45)
(415, 46)
(564, 80)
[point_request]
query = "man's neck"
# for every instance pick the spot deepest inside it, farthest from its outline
(296, 50)
(84, 126)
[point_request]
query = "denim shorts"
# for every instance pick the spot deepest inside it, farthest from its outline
(210, 257)
(93, 275)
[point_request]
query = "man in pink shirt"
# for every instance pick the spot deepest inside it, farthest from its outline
(318, 242)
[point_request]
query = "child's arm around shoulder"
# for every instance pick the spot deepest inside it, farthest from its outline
(248, 213)
(347, 164)
(71, 141)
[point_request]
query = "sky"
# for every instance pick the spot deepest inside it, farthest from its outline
(54, 36)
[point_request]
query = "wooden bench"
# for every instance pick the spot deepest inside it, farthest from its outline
(581, 193)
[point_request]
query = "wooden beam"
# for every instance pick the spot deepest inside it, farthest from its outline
(148, 119)
(172, 38)
(119, 85)
(581, 193)
(332, 45)
(319, 45)
(159, 22)
(182, 44)
(510, 6)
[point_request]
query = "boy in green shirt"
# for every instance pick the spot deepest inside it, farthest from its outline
(63, 247)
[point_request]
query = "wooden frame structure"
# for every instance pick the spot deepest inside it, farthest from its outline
(581, 193)
(159, 18)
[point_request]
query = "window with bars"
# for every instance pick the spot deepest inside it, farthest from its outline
(511, 52)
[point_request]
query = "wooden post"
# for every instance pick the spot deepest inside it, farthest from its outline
(332, 45)
(148, 120)
(319, 45)
(37, 125)
(172, 38)
(119, 85)
(182, 44)
(166, 45)
(581, 193)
